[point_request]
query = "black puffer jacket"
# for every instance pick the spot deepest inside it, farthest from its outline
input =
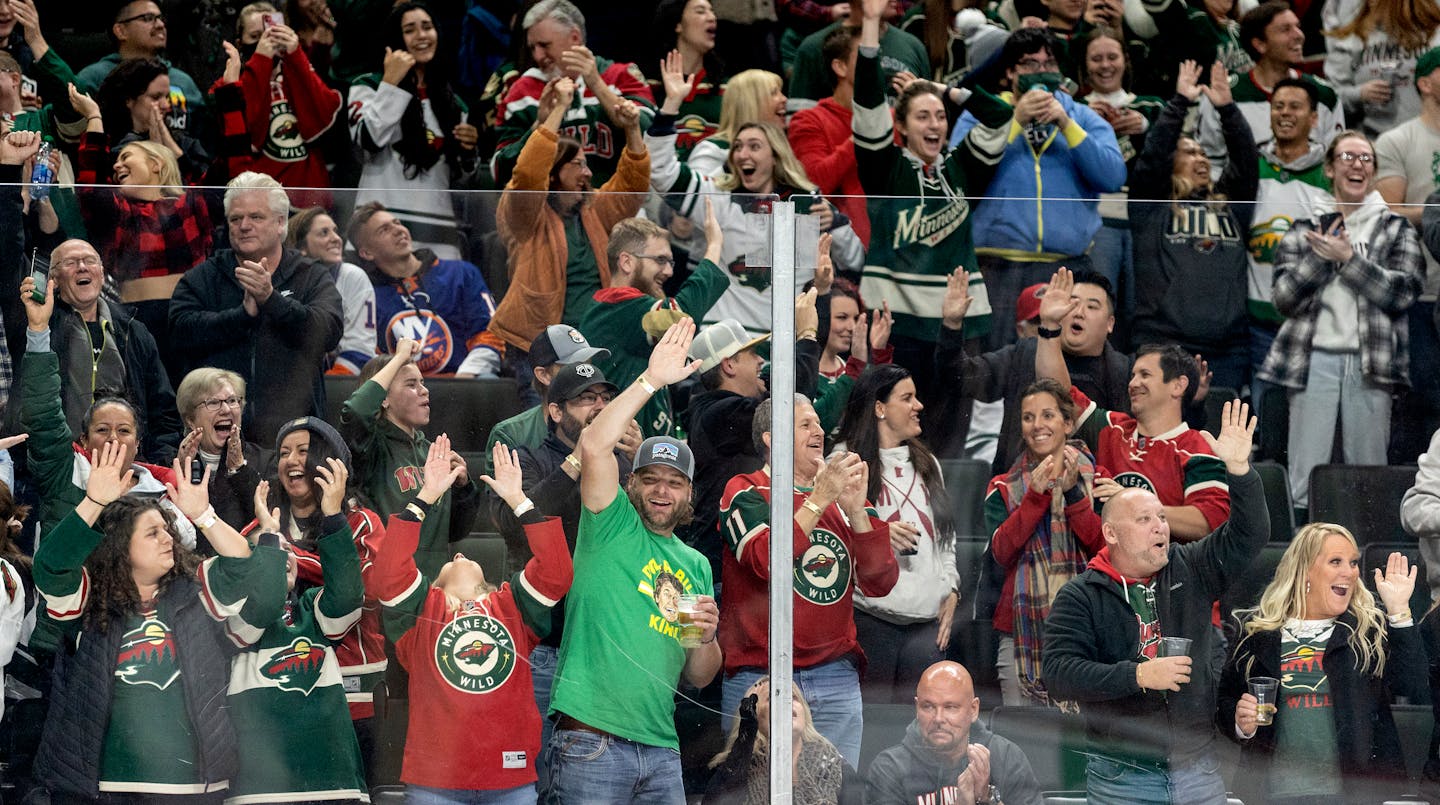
(70, 747)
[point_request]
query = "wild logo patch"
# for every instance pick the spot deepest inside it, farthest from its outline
(475, 653)
(296, 667)
(1134, 480)
(822, 574)
(147, 655)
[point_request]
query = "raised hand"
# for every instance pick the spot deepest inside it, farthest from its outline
(266, 518)
(191, 499)
(234, 450)
(873, 9)
(37, 314)
(834, 475)
(1218, 90)
(1395, 584)
(439, 472)
(881, 322)
(630, 442)
(672, 77)
(714, 235)
(957, 299)
(579, 62)
(824, 265)
(625, 115)
(109, 476)
(1070, 472)
(860, 337)
(1046, 474)
(231, 73)
(1187, 80)
(508, 482)
(669, 362)
(190, 445)
(1237, 434)
(806, 318)
(331, 480)
(852, 499)
(1206, 377)
(397, 65)
(83, 104)
(1057, 304)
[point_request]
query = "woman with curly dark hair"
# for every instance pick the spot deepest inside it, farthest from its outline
(143, 635)
(909, 628)
(413, 132)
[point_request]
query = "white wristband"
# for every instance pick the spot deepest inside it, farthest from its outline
(525, 505)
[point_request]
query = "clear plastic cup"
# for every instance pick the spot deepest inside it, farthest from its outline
(690, 632)
(1175, 647)
(1264, 689)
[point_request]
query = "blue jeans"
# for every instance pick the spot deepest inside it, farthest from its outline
(833, 692)
(542, 671)
(586, 767)
(1112, 256)
(1196, 782)
(422, 795)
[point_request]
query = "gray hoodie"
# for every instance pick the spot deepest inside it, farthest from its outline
(914, 774)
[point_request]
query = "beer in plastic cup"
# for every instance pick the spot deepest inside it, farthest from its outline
(1174, 647)
(690, 632)
(1264, 689)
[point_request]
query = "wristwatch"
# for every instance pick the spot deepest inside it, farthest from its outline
(992, 798)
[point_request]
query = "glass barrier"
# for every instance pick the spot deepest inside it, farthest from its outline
(945, 491)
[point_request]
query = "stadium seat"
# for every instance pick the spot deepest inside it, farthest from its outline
(390, 724)
(1364, 499)
(1050, 739)
(965, 481)
(1272, 436)
(1277, 499)
(488, 549)
(1414, 722)
(1215, 406)
(338, 389)
(885, 726)
(1245, 591)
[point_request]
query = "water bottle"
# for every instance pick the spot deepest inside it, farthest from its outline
(43, 175)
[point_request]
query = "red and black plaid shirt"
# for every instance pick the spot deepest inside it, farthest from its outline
(139, 238)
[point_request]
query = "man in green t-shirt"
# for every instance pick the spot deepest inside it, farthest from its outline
(622, 655)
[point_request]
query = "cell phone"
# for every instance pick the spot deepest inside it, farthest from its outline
(271, 18)
(1328, 220)
(197, 471)
(29, 86)
(1028, 81)
(40, 276)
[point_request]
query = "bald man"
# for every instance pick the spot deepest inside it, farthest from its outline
(1149, 717)
(102, 345)
(947, 754)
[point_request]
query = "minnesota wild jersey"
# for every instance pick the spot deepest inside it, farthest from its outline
(1287, 192)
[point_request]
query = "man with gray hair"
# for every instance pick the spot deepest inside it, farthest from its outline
(555, 37)
(265, 312)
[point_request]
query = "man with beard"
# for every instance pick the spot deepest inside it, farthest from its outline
(557, 241)
(578, 393)
(555, 37)
(839, 544)
(630, 314)
(621, 657)
(443, 304)
(948, 755)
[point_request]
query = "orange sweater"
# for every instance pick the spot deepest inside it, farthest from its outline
(534, 235)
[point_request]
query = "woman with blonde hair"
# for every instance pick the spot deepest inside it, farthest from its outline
(1371, 60)
(1327, 731)
(751, 96)
(761, 169)
(742, 770)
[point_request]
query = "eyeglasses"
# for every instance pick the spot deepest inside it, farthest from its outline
(89, 261)
(662, 259)
(147, 18)
(1039, 65)
(1350, 156)
(592, 397)
(212, 405)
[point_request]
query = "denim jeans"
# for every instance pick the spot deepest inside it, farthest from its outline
(1196, 782)
(542, 671)
(586, 767)
(423, 795)
(833, 692)
(1335, 391)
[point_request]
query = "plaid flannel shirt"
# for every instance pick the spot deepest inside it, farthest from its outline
(1386, 281)
(139, 238)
